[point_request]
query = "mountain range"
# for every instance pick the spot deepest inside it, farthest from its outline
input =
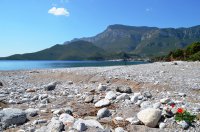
(116, 40)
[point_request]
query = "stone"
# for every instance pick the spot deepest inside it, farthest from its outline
(31, 90)
(165, 100)
(50, 86)
(134, 99)
(133, 120)
(102, 103)
(70, 82)
(147, 94)
(110, 95)
(184, 124)
(123, 96)
(124, 89)
(162, 125)
(31, 112)
(104, 112)
(139, 102)
(145, 104)
(40, 121)
(120, 129)
(182, 94)
(1, 84)
(10, 116)
(88, 123)
(89, 99)
(149, 116)
(102, 87)
(118, 120)
(66, 119)
(69, 110)
(81, 127)
(156, 105)
(54, 126)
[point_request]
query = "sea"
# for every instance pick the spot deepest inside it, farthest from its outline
(8, 65)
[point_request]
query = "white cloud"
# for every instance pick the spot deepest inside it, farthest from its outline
(59, 11)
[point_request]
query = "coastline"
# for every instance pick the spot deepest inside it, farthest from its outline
(162, 79)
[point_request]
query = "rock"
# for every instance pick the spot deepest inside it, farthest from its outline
(156, 105)
(120, 129)
(88, 123)
(104, 112)
(165, 100)
(31, 112)
(40, 121)
(10, 116)
(89, 99)
(133, 120)
(55, 126)
(81, 127)
(123, 96)
(102, 103)
(70, 82)
(31, 90)
(147, 94)
(69, 110)
(140, 97)
(139, 102)
(111, 95)
(184, 124)
(182, 94)
(145, 104)
(102, 87)
(124, 89)
(149, 116)
(50, 86)
(162, 125)
(1, 84)
(118, 120)
(66, 119)
(134, 99)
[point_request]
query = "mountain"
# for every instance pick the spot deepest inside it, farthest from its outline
(79, 50)
(118, 41)
(145, 41)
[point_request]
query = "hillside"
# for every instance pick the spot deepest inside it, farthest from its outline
(145, 41)
(79, 50)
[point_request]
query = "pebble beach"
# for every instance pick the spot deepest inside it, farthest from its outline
(142, 98)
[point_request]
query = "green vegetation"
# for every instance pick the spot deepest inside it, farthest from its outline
(190, 53)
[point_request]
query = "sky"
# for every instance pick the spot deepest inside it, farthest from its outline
(32, 25)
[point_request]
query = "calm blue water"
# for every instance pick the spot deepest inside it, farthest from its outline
(28, 65)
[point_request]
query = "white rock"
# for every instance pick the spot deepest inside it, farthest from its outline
(104, 112)
(165, 100)
(120, 129)
(123, 96)
(134, 99)
(110, 95)
(102, 103)
(66, 118)
(81, 127)
(102, 87)
(149, 116)
(88, 123)
(162, 125)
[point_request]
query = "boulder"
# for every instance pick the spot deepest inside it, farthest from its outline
(12, 116)
(149, 116)
(104, 112)
(102, 103)
(124, 89)
(110, 95)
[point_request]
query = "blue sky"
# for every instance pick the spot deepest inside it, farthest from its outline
(32, 25)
